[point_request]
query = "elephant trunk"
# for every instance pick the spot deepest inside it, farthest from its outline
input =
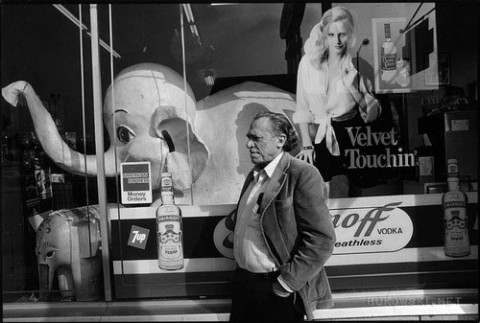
(65, 283)
(45, 281)
(46, 275)
(52, 142)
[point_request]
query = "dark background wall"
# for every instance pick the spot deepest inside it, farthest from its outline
(40, 45)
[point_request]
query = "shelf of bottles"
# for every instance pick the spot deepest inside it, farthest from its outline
(36, 175)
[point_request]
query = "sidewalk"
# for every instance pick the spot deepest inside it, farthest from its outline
(411, 305)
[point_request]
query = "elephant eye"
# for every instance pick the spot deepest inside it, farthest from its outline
(124, 134)
(50, 254)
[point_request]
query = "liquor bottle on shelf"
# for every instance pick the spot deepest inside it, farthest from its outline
(457, 241)
(4, 148)
(425, 161)
(28, 148)
(42, 176)
(169, 228)
(388, 57)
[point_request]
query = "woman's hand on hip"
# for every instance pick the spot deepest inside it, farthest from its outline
(307, 155)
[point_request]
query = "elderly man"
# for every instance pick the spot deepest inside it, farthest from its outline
(283, 231)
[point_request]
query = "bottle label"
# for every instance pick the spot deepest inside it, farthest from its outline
(388, 60)
(425, 166)
(169, 237)
(170, 245)
(454, 204)
(44, 186)
(455, 224)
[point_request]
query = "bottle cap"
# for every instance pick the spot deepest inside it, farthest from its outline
(387, 31)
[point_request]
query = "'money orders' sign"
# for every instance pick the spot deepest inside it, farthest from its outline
(136, 183)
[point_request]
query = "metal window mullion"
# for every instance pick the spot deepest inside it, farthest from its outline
(99, 150)
(184, 65)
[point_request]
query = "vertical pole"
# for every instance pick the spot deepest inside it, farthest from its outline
(182, 29)
(99, 148)
(405, 122)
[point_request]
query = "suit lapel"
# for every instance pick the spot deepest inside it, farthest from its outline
(245, 185)
(270, 226)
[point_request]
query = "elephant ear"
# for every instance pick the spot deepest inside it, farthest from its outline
(180, 136)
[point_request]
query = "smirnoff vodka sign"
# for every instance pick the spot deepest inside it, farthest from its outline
(385, 228)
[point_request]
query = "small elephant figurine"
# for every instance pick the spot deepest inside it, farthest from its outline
(67, 245)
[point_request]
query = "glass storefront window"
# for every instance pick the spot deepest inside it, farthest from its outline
(177, 87)
(46, 117)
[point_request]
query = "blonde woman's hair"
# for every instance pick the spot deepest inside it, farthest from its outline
(316, 46)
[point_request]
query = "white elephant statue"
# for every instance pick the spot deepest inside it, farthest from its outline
(68, 248)
(148, 122)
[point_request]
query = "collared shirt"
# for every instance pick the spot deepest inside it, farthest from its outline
(250, 249)
(318, 102)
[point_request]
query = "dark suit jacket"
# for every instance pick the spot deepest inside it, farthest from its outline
(298, 229)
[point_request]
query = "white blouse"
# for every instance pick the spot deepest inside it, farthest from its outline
(319, 104)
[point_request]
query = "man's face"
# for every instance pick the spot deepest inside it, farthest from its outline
(262, 144)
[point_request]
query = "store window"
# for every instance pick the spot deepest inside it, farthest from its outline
(172, 88)
(47, 127)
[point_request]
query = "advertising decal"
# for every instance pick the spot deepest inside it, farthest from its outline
(377, 230)
(405, 57)
(363, 230)
(136, 183)
(376, 245)
(138, 237)
(392, 156)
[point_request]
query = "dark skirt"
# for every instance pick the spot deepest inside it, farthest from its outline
(330, 165)
(326, 163)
